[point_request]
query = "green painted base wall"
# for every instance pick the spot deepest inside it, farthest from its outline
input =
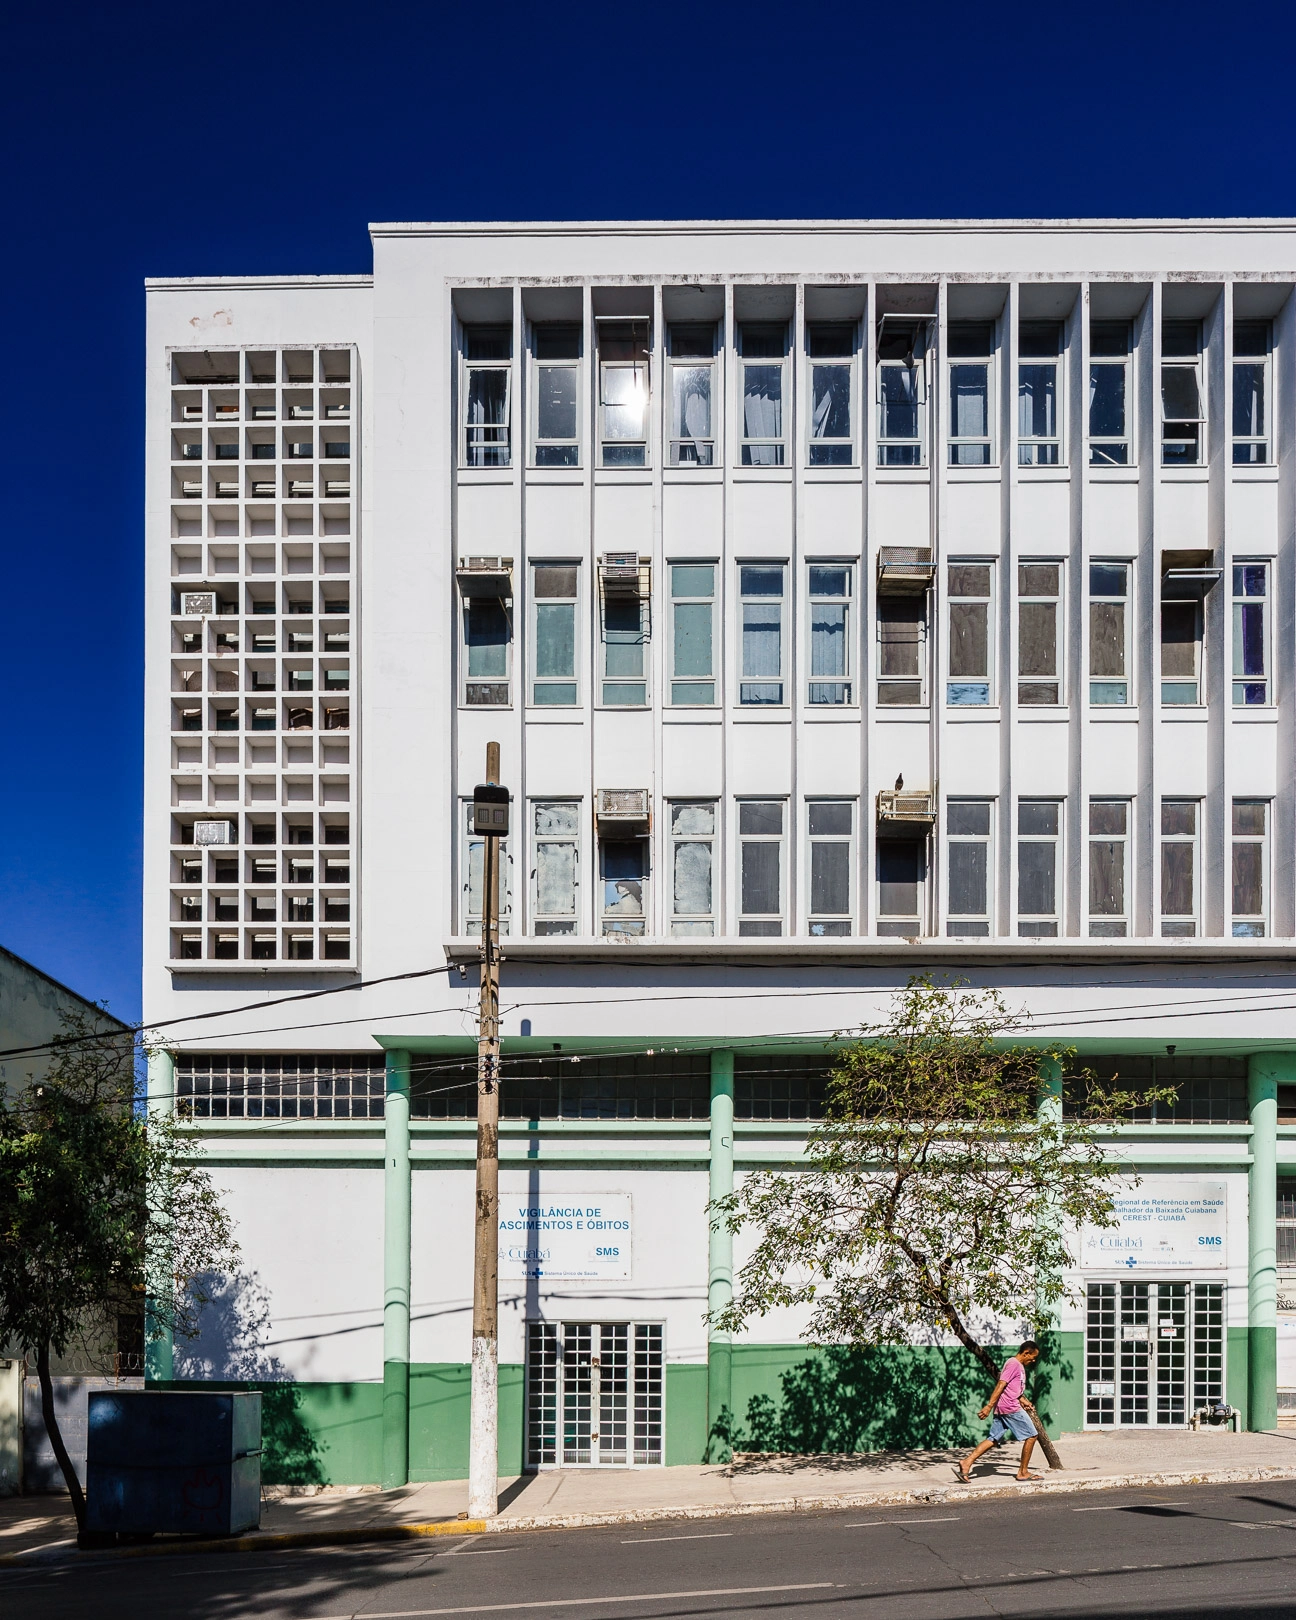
(440, 1396)
(686, 1413)
(1237, 1345)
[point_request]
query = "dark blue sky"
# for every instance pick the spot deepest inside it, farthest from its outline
(148, 139)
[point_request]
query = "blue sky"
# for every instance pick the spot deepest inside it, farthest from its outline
(149, 139)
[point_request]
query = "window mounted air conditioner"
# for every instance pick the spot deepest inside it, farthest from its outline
(227, 410)
(301, 488)
(337, 412)
(485, 576)
(191, 489)
(901, 811)
(263, 413)
(197, 604)
(624, 573)
(302, 413)
(263, 486)
(226, 490)
(904, 570)
(337, 488)
(622, 811)
(213, 832)
(191, 413)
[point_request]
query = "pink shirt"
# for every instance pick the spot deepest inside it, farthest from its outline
(1014, 1381)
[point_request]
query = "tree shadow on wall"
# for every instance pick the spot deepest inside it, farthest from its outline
(231, 1348)
(842, 1400)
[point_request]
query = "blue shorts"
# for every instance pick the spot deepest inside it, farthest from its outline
(1016, 1424)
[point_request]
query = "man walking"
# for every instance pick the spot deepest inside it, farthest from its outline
(1009, 1418)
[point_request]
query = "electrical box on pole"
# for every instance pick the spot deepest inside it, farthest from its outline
(490, 823)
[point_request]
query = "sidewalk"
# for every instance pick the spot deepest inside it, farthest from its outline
(576, 1496)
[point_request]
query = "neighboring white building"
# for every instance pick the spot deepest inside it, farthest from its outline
(849, 599)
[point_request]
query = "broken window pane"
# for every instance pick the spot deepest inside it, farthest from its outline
(692, 831)
(556, 879)
(901, 867)
(555, 829)
(1180, 652)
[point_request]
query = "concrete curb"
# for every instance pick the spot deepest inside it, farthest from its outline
(918, 1496)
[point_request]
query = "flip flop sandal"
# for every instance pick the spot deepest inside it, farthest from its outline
(965, 1478)
(1023, 1479)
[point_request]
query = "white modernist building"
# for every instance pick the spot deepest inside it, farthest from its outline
(849, 600)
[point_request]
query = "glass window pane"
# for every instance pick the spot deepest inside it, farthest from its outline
(830, 388)
(623, 653)
(1037, 638)
(622, 868)
(556, 820)
(1179, 817)
(899, 387)
(1181, 339)
(1108, 817)
(829, 818)
(1248, 638)
(970, 817)
(1036, 879)
(900, 868)
(829, 581)
(625, 398)
(692, 639)
(1249, 579)
(1107, 402)
(1038, 817)
(1249, 400)
(1037, 402)
(1108, 579)
(760, 879)
(1248, 879)
(1249, 817)
(970, 401)
(830, 879)
(1039, 579)
(488, 342)
(550, 581)
(830, 342)
(487, 635)
(827, 639)
(762, 402)
(760, 581)
(760, 817)
(557, 341)
(968, 867)
(900, 637)
(692, 579)
(1179, 641)
(1177, 879)
(1109, 338)
(969, 579)
(693, 820)
(556, 879)
(1180, 400)
(691, 402)
(1106, 878)
(762, 650)
(1106, 639)
(693, 879)
(555, 653)
(488, 398)
(969, 652)
(556, 402)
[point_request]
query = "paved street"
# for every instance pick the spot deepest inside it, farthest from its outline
(1199, 1551)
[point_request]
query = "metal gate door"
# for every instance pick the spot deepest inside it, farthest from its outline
(594, 1394)
(1148, 1344)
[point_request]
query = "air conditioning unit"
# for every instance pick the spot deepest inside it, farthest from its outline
(301, 488)
(622, 810)
(226, 490)
(337, 413)
(227, 410)
(485, 576)
(213, 832)
(904, 570)
(902, 811)
(263, 413)
(622, 573)
(191, 413)
(263, 487)
(197, 604)
(337, 488)
(191, 489)
(302, 413)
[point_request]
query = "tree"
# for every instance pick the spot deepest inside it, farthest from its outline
(937, 1196)
(103, 1210)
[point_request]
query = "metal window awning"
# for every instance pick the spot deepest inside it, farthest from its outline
(1188, 573)
(904, 570)
(486, 576)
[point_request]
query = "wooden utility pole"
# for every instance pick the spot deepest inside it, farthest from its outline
(490, 821)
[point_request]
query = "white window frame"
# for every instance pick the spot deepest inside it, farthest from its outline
(917, 363)
(1241, 697)
(707, 447)
(711, 602)
(762, 924)
(1058, 678)
(539, 365)
(831, 924)
(466, 369)
(1180, 925)
(1250, 925)
(1035, 924)
(641, 365)
(470, 920)
(536, 682)
(971, 441)
(846, 363)
(980, 692)
(542, 923)
(1103, 448)
(750, 443)
(645, 645)
(1127, 680)
(468, 680)
(1110, 925)
(1243, 441)
(1183, 362)
(744, 600)
(846, 680)
(1049, 449)
(968, 924)
(691, 924)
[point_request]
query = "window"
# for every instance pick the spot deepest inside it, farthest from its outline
(760, 879)
(555, 876)
(553, 607)
(488, 351)
(1109, 626)
(830, 350)
(1250, 633)
(693, 866)
(487, 645)
(1109, 868)
(1250, 868)
(1039, 826)
(1250, 393)
(1039, 613)
(830, 633)
(473, 868)
(901, 392)
(971, 351)
(692, 396)
(901, 887)
(762, 372)
(693, 634)
(623, 873)
(1181, 648)
(1109, 394)
(831, 825)
(969, 634)
(623, 392)
(967, 859)
(1179, 818)
(761, 590)
(1039, 395)
(1183, 413)
(625, 651)
(902, 650)
(556, 352)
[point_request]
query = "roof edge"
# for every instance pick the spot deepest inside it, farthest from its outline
(58, 984)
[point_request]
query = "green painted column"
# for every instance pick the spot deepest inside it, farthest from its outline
(1264, 1071)
(159, 1339)
(396, 1273)
(720, 1255)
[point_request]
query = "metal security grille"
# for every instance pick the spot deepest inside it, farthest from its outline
(242, 1085)
(593, 1388)
(1147, 1346)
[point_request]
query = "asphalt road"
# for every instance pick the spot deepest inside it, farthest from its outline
(1193, 1551)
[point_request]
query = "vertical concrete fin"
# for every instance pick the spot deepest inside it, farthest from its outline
(720, 1256)
(1264, 1071)
(396, 1272)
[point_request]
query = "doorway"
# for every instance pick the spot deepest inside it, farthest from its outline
(1154, 1352)
(594, 1394)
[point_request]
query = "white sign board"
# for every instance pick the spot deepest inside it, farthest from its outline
(1165, 1225)
(572, 1236)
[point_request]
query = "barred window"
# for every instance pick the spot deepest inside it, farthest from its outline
(780, 1085)
(1211, 1090)
(249, 1085)
(671, 1085)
